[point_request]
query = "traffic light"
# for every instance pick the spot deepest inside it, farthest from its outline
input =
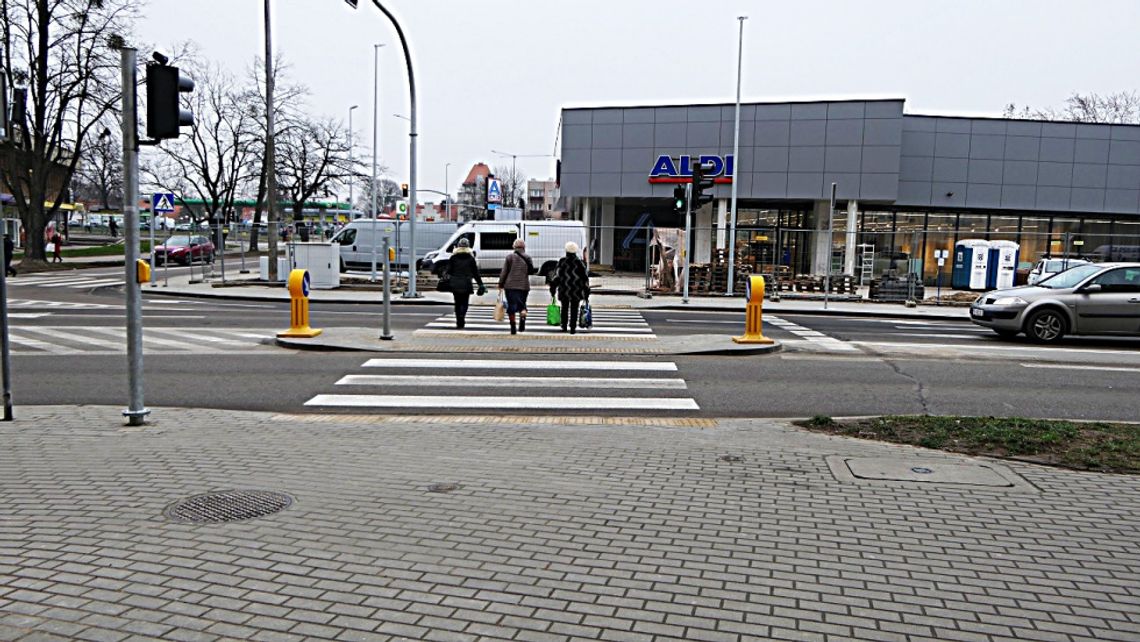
(164, 114)
(702, 184)
(679, 199)
(404, 189)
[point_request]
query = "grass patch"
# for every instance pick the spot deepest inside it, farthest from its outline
(1101, 447)
(116, 249)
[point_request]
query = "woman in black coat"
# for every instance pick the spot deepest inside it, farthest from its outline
(462, 269)
(573, 285)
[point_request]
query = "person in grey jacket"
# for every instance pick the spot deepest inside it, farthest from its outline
(515, 279)
(462, 269)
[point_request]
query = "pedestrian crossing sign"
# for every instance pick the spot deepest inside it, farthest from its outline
(494, 191)
(162, 203)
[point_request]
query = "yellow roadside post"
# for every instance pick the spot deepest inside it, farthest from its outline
(142, 271)
(753, 316)
(299, 310)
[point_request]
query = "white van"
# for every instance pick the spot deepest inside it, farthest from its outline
(356, 241)
(492, 240)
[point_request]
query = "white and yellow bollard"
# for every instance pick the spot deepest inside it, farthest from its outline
(299, 309)
(754, 312)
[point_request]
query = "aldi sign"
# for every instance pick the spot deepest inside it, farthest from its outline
(667, 170)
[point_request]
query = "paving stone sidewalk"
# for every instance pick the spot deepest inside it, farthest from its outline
(557, 531)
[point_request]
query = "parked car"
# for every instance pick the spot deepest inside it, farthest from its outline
(184, 249)
(1094, 298)
(1046, 268)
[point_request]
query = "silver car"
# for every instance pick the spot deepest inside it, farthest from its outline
(1099, 298)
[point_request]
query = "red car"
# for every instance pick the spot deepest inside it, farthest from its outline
(184, 249)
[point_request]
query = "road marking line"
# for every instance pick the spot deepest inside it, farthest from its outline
(523, 364)
(83, 284)
(527, 382)
(585, 334)
(50, 348)
(1066, 367)
(931, 335)
(541, 328)
(148, 337)
(503, 403)
(82, 339)
(992, 346)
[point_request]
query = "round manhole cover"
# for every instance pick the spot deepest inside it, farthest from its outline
(445, 487)
(228, 506)
(732, 459)
(922, 470)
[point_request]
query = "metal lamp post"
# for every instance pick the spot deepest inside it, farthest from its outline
(351, 149)
(375, 146)
(736, 162)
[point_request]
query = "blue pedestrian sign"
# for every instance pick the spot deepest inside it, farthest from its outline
(162, 203)
(494, 191)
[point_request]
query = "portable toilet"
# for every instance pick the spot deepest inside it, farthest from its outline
(971, 260)
(1002, 264)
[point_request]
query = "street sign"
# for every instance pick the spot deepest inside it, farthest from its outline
(162, 203)
(494, 191)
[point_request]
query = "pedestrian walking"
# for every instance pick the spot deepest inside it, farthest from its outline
(9, 250)
(57, 250)
(114, 228)
(515, 280)
(572, 284)
(461, 271)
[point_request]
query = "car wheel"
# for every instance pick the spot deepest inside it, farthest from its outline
(1046, 326)
(1006, 334)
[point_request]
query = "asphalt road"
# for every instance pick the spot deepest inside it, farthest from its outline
(936, 370)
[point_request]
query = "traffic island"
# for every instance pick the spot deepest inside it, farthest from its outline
(1097, 447)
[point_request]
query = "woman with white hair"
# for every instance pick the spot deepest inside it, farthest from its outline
(572, 284)
(515, 279)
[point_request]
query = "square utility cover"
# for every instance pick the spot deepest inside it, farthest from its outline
(938, 472)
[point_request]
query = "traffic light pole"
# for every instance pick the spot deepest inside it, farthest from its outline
(688, 234)
(136, 411)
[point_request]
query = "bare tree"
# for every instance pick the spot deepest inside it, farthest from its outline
(211, 162)
(513, 182)
(57, 57)
(1120, 108)
(388, 192)
(99, 175)
(313, 156)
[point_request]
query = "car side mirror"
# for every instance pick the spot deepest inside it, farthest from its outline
(1092, 287)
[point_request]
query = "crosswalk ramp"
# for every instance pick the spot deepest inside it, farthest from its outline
(461, 385)
(69, 280)
(92, 340)
(607, 323)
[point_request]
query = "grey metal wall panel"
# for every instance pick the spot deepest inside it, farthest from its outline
(1018, 196)
(985, 172)
(638, 160)
(1090, 175)
(1122, 132)
(983, 195)
(847, 185)
(986, 126)
(809, 111)
(640, 115)
(1086, 131)
(703, 137)
(952, 145)
(1058, 150)
(605, 160)
(879, 187)
(744, 186)
(1086, 199)
(1053, 198)
(577, 117)
(770, 184)
(1055, 174)
(704, 114)
(577, 137)
(747, 113)
(1090, 151)
(1124, 152)
(1122, 200)
(671, 115)
(805, 184)
(727, 132)
(605, 184)
(607, 136)
(914, 192)
(637, 135)
(917, 143)
(840, 111)
(950, 170)
(843, 159)
(1022, 148)
(773, 112)
(1123, 177)
(1058, 130)
(1019, 173)
(882, 131)
(1023, 128)
(806, 159)
(772, 133)
(948, 194)
(920, 124)
(879, 159)
(844, 132)
(884, 109)
(609, 116)
(916, 168)
(808, 132)
(575, 184)
(987, 146)
(769, 159)
(637, 184)
(953, 125)
(671, 137)
(575, 161)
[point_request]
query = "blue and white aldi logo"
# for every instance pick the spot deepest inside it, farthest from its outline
(494, 191)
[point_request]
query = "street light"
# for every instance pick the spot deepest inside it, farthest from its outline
(447, 190)
(402, 116)
(350, 155)
(736, 163)
(375, 147)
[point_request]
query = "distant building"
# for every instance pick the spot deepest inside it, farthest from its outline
(542, 200)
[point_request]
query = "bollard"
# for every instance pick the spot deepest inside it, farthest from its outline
(299, 309)
(753, 316)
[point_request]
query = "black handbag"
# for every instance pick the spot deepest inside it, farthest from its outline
(444, 284)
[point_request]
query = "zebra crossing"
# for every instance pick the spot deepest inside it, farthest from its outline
(70, 280)
(811, 339)
(534, 385)
(107, 340)
(607, 323)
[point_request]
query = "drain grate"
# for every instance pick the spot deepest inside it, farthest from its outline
(228, 506)
(446, 487)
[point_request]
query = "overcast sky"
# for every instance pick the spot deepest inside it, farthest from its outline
(493, 74)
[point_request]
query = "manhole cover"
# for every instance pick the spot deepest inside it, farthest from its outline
(928, 472)
(228, 506)
(732, 459)
(921, 470)
(443, 488)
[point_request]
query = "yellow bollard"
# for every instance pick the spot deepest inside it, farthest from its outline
(299, 310)
(754, 312)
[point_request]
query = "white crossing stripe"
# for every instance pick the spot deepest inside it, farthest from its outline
(523, 364)
(80, 340)
(549, 329)
(1074, 367)
(503, 403)
(39, 346)
(58, 337)
(812, 338)
(516, 382)
(606, 324)
(86, 283)
(68, 305)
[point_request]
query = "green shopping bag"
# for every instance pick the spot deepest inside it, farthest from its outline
(553, 314)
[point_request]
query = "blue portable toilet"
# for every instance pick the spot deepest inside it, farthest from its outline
(971, 261)
(1002, 264)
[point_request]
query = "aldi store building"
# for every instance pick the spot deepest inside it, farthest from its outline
(907, 185)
